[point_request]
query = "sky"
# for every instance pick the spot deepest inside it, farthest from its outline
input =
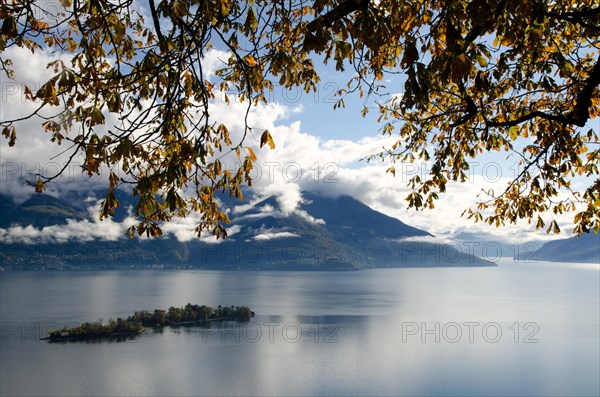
(318, 149)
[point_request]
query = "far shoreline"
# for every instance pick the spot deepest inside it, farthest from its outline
(291, 268)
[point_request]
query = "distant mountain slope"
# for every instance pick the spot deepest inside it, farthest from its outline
(39, 211)
(322, 234)
(351, 218)
(6, 205)
(586, 249)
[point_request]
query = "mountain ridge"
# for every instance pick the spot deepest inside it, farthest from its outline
(323, 233)
(584, 248)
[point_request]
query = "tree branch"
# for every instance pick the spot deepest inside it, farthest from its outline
(578, 116)
(581, 112)
(345, 8)
(471, 109)
(529, 116)
(155, 20)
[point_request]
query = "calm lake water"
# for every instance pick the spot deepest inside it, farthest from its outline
(517, 329)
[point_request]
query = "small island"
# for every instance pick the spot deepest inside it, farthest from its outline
(136, 324)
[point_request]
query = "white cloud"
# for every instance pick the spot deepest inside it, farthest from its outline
(183, 229)
(426, 239)
(308, 217)
(264, 209)
(300, 162)
(270, 236)
(94, 229)
(214, 60)
(288, 196)
(80, 231)
(34, 154)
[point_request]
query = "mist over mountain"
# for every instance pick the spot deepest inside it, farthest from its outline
(319, 233)
(585, 248)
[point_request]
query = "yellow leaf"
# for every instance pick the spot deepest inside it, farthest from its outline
(251, 153)
(266, 138)
(39, 186)
(250, 61)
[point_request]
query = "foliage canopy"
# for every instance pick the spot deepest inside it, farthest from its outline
(515, 76)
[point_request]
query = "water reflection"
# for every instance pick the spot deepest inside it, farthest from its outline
(388, 331)
(103, 339)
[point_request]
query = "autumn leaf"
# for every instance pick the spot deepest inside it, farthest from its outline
(39, 186)
(267, 139)
(251, 153)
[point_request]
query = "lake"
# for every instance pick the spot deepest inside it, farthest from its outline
(515, 329)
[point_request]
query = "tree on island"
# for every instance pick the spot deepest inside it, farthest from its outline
(514, 76)
(190, 314)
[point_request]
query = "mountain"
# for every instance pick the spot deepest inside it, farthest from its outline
(491, 246)
(39, 211)
(585, 248)
(323, 233)
(351, 218)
